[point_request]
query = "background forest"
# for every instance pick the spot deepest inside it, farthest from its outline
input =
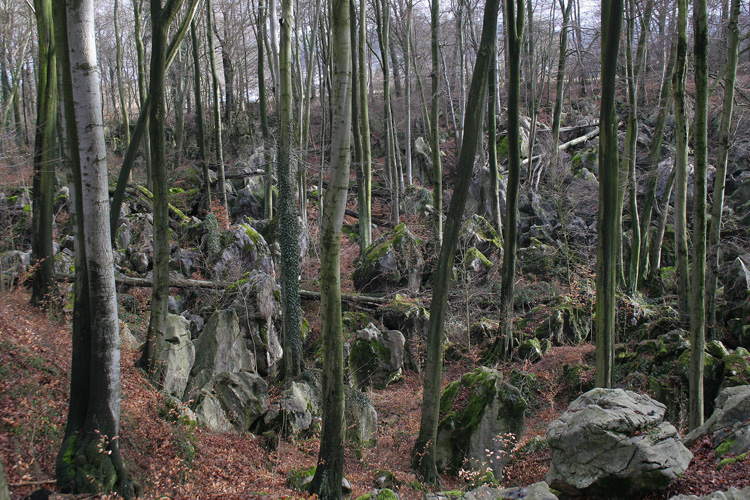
(394, 248)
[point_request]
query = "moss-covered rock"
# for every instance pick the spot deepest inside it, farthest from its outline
(392, 261)
(376, 358)
(481, 418)
(530, 349)
(566, 322)
(412, 319)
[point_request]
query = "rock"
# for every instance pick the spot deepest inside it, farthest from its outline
(730, 494)
(243, 397)
(361, 418)
(567, 323)
(257, 302)
(483, 418)
(300, 479)
(4, 492)
(246, 250)
(380, 494)
(392, 261)
(140, 262)
(196, 323)
(614, 443)
(185, 261)
(422, 166)
(728, 423)
(531, 350)
(175, 355)
(409, 317)
(220, 348)
(376, 358)
(737, 281)
(175, 305)
(536, 491)
(477, 232)
(127, 338)
(479, 201)
(417, 200)
(210, 414)
(537, 258)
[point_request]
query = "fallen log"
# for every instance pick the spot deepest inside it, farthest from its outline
(363, 300)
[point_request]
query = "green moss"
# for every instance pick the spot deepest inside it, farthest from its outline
(729, 461)
(385, 494)
(723, 448)
(474, 254)
(299, 479)
(452, 494)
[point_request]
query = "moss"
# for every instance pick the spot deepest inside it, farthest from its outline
(474, 254)
(723, 448)
(729, 461)
(26, 208)
(299, 479)
(385, 494)
(452, 494)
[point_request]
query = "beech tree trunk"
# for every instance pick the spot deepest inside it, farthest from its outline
(330, 468)
(606, 260)
(89, 460)
(423, 454)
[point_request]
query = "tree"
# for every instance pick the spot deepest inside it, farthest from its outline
(89, 460)
(560, 78)
(698, 281)
(288, 225)
(607, 241)
(328, 474)
(437, 169)
(217, 105)
(120, 82)
(514, 16)
(423, 454)
(365, 188)
(45, 157)
(714, 232)
(161, 18)
(199, 118)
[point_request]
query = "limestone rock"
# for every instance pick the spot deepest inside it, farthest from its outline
(536, 491)
(220, 348)
(728, 423)
(483, 418)
(392, 261)
(730, 494)
(175, 355)
(614, 443)
(376, 358)
(246, 250)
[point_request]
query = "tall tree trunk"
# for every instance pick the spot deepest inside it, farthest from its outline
(407, 86)
(514, 15)
(497, 216)
(423, 454)
(45, 157)
(365, 188)
(680, 165)
(437, 169)
(698, 284)
(89, 460)
(717, 208)
(217, 106)
(606, 281)
(661, 227)
(665, 103)
(288, 224)
(328, 474)
(143, 96)
(560, 78)
(120, 82)
(161, 18)
(268, 190)
(199, 116)
(181, 82)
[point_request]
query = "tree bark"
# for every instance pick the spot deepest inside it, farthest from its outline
(560, 78)
(423, 454)
(217, 106)
(199, 115)
(330, 468)
(45, 158)
(606, 281)
(365, 188)
(91, 440)
(437, 169)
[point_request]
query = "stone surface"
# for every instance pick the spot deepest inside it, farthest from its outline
(175, 355)
(246, 250)
(483, 417)
(220, 348)
(729, 422)
(392, 261)
(376, 358)
(614, 443)
(730, 494)
(536, 491)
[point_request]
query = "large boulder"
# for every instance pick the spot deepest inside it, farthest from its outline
(730, 494)
(566, 323)
(376, 358)
(256, 300)
(220, 348)
(246, 249)
(393, 261)
(536, 491)
(232, 401)
(175, 355)
(728, 424)
(412, 319)
(483, 417)
(612, 443)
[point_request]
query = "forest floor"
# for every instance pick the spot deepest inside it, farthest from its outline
(174, 461)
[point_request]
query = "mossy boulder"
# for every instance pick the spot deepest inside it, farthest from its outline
(728, 423)
(537, 258)
(531, 350)
(393, 261)
(482, 332)
(232, 402)
(242, 249)
(481, 418)
(566, 322)
(175, 355)
(412, 319)
(477, 232)
(377, 358)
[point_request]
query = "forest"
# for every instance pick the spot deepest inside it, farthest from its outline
(392, 249)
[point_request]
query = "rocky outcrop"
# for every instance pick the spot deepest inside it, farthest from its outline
(730, 494)
(612, 443)
(728, 424)
(483, 417)
(232, 401)
(219, 349)
(393, 261)
(175, 355)
(246, 250)
(376, 358)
